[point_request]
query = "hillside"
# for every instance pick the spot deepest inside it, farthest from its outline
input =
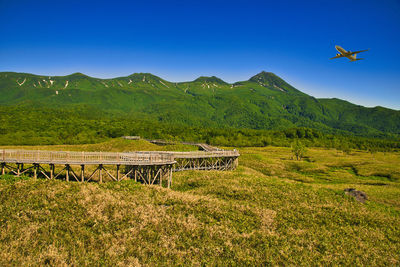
(265, 101)
(272, 210)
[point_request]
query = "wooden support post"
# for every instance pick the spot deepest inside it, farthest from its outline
(161, 174)
(118, 173)
(18, 170)
(82, 173)
(135, 170)
(35, 169)
(148, 174)
(3, 168)
(170, 178)
(67, 172)
(100, 176)
(52, 171)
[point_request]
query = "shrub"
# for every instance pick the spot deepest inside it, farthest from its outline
(298, 149)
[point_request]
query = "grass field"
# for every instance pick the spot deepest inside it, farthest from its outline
(271, 210)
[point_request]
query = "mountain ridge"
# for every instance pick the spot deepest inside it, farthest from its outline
(265, 101)
(269, 77)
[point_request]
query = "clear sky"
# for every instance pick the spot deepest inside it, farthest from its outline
(234, 40)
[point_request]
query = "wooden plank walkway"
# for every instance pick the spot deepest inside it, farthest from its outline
(85, 158)
(202, 146)
(149, 167)
(196, 154)
(205, 154)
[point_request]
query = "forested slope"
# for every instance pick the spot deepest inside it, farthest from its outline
(265, 101)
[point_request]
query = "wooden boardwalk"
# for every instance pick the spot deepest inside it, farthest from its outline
(149, 167)
(222, 160)
(86, 158)
(202, 146)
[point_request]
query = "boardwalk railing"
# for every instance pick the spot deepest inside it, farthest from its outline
(150, 167)
(72, 157)
(203, 160)
(196, 154)
(206, 154)
(203, 146)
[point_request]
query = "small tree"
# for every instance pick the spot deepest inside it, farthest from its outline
(298, 149)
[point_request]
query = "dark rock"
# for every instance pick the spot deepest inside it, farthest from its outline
(358, 195)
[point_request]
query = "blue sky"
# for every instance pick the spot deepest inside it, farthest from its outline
(234, 40)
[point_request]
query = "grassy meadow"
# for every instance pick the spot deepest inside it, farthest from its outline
(272, 210)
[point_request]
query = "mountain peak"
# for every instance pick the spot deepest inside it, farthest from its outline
(139, 74)
(211, 79)
(265, 76)
(271, 80)
(77, 75)
(144, 75)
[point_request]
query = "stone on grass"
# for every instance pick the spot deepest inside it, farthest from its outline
(358, 195)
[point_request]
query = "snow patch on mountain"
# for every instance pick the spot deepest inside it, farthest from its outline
(277, 87)
(21, 82)
(164, 84)
(48, 86)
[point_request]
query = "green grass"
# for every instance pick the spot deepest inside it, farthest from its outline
(272, 210)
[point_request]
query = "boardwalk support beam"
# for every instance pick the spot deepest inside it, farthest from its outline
(152, 168)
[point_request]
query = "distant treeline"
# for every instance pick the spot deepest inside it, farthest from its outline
(39, 126)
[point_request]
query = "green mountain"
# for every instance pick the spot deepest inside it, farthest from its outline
(265, 101)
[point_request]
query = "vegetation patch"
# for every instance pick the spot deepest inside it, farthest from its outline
(272, 210)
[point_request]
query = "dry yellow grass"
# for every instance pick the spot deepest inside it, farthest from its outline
(272, 210)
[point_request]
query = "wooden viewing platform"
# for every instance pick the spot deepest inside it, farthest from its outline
(86, 158)
(149, 167)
